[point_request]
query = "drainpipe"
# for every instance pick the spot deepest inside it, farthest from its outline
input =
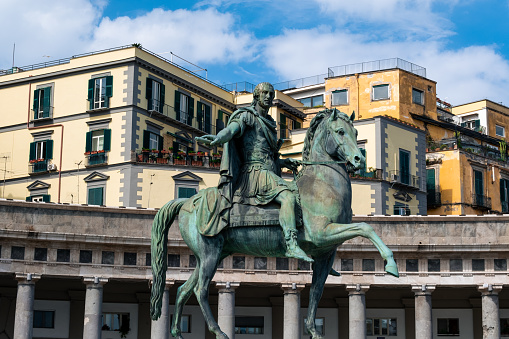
(46, 126)
(358, 98)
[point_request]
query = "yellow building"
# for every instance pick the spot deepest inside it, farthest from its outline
(115, 128)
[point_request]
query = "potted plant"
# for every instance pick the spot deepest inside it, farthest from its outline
(145, 150)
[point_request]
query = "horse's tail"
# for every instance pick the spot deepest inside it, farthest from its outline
(159, 248)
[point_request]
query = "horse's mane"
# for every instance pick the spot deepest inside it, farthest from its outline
(313, 127)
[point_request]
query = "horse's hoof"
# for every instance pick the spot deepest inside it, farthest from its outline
(392, 269)
(334, 273)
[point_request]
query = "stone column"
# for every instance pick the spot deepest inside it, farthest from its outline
(93, 307)
(291, 311)
(490, 313)
(357, 311)
(23, 322)
(160, 328)
(226, 307)
(423, 318)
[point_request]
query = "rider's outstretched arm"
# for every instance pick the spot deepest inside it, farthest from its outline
(226, 134)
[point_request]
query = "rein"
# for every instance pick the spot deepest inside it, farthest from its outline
(322, 162)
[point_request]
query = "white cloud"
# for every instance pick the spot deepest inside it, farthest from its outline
(462, 75)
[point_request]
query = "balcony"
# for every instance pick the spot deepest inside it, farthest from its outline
(481, 201)
(372, 173)
(38, 166)
(179, 159)
(96, 158)
(434, 199)
(405, 179)
(378, 65)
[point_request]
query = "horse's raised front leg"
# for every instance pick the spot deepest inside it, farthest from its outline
(321, 269)
(338, 233)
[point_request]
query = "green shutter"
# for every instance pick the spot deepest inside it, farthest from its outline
(190, 110)
(186, 192)
(149, 94)
(297, 124)
(32, 150)
(88, 142)
(177, 105)
(282, 120)
(28, 199)
(109, 90)
(477, 124)
(208, 119)
(175, 147)
(107, 140)
(463, 124)
(503, 190)
(478, 183)
(46, 198)
(219, 115)
(49, 149)
(161, 98)
(146, 139)
(36, 103)
(95, 196)
(91, 84)
(46, 102)
(430, 181)
(199, 115)
(404, 166)
(159, 143)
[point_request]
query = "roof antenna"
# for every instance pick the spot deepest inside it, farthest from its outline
(13, 51)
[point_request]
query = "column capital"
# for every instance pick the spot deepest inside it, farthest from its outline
(27, 278)
(357, 288)
(95, 281)
(425, 289)
(489, 289)
(292, 287)
(227, 286)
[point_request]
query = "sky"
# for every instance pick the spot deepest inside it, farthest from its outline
(463, 44)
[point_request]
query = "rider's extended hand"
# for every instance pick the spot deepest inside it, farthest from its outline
(291, 164)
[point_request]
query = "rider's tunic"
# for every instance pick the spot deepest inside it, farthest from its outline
(257, 183)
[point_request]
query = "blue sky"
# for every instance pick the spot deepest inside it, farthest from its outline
(462, 44)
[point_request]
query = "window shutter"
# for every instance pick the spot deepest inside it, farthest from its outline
(28, 199)
(199, 116)
(109, 90)
(208, 119)
(430, 181)
(177, 105)
(297, 124)
(146, 139)
(477, 124)
(95, 196)
(463, 124)
(91, 83)
(49, 149)
(503, 197)
(46, 102)
(282, 121)
(36, 103)
(190, 109)
(159, 143)
(478, 183)
(149, 94)
(32, 150)
(46, 198)
(161, 98)
(219, 115)
(107, 140)
(175, 147)
(88, 142)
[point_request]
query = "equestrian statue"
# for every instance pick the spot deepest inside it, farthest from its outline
(256, 212)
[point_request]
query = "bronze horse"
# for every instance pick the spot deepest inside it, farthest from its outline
(330, 152)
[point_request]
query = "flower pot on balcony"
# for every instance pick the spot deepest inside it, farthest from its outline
(179, 161)
(162, 160)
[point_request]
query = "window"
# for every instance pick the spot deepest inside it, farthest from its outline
(381, 92)
(368, 265)
(504, 327)
(186, 192)
(282, 264)
(412, 265)
(340, 97)
(222, 120)
(148, 259)
(41, 254)
(456, 265)
(184, 108)
(314, 101)
(155, 95)
(98, 140)
(474, 125)
(192, 261)
(478, 188)
(433, 265)
(346, 265)
(115, 322)
(42, 103)
(500, 264)
(39, 198)
(319, 325)
(404, 166)
(499, 131)
(239, 262)
(17, 252)
(63, 255)
(129, 258)
(204, 118)
(152, 140)
(96, 196)
(40, 153)
(108, 258)
(448, 326)
(44, 319)
(417, 96)
(504, 195)
(185, 323)
(85, 256)
(401, 209)
(382, 326)
(100, 91)
(477, 265)
(249, 325)
(303, 265)
(173, 260)
(260, 263)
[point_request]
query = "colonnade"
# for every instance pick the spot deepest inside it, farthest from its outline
(226, 309)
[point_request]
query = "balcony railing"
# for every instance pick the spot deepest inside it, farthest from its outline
(434, 199)
(481, 201)
(406, 179)
(302, 82)
(46, 113)
(38, 166)
(242, 87)
(378, 65)
(178, 159)
(370, 174)
(96, 158)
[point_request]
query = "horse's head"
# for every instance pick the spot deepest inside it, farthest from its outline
(342, 140)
